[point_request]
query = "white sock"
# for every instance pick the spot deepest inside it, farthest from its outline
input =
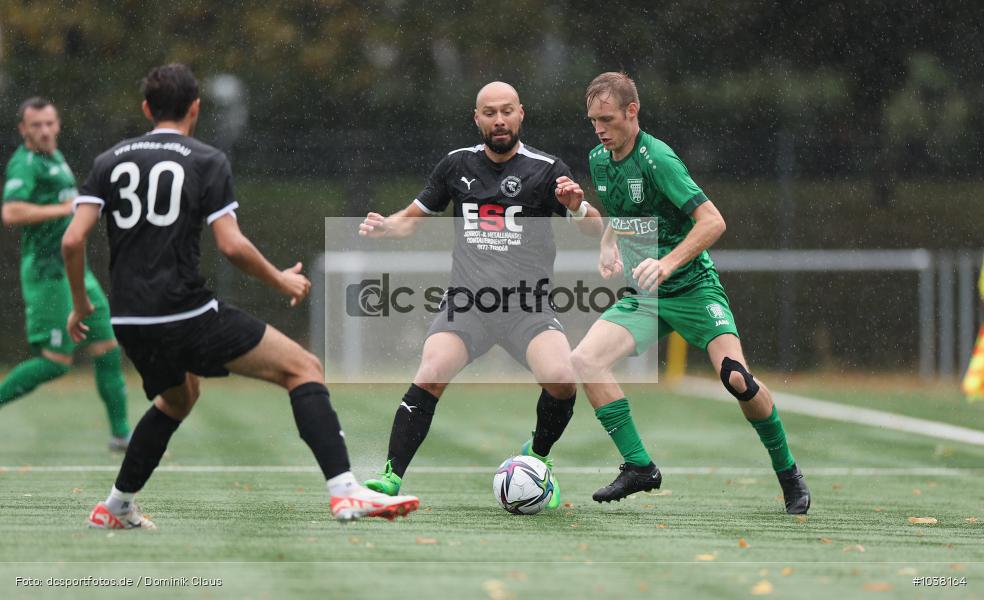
(119, 503)
(343, 485)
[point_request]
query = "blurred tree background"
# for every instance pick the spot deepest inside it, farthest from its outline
(862, 120)
(890, 86)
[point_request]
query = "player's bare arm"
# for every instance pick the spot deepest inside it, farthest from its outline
(609, 259)
(570, 194)
(18, 213)
(73, 252)
(401, 224)
(241, 252)
(708, 227)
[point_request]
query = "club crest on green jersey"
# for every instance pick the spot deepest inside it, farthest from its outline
(635, 190)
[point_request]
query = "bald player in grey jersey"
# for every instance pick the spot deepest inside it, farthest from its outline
(496, 185)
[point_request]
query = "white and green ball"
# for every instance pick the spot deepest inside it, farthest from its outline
(523, 485)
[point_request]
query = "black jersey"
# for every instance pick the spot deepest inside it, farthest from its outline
(156, 192)
(496, 242)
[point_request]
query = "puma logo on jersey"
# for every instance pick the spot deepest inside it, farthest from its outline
(468, 182)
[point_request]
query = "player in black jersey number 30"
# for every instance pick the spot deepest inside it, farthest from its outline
(156, 192)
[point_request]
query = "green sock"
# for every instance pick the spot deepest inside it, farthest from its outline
(773, 437)
(112, 390)
(29, 375)
(616, 418)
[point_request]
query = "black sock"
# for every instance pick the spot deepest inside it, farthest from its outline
(552, 417)
(410, 426)
(147, 445)
(319, 427)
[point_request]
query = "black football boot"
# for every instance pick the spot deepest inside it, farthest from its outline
(632, 479)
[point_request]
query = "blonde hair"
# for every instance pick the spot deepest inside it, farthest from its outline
(616, 84)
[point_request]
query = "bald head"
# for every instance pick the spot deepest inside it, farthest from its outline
(495, 93)
(499, 116)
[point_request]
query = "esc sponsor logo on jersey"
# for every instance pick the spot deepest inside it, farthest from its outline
(491, 217)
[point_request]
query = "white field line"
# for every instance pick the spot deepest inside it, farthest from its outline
(470, 470)
(702, 388)
(713, 390)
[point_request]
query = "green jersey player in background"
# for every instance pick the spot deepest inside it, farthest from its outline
(37, 196)
(660, 227)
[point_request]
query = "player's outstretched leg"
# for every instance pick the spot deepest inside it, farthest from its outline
(102, 346)
(549, 358)
(756, 403)
(444, 355)
(638, 473)
(112, 391)
(30, 374)
(410, 426)
(147, 446)
(605, 344)
(552, 417)
(280, 360)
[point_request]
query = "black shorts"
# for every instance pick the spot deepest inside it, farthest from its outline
(164, 353)
(512, 330)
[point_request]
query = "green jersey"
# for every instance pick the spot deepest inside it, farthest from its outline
(40, 179)
(649, 197)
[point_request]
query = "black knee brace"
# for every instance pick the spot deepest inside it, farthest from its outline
(728, 366)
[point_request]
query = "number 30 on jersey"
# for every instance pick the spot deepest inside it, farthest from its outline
(127, 192)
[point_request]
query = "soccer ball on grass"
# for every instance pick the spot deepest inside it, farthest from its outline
(523, 485)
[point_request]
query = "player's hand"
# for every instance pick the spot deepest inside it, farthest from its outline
(609, 261)
(569, 193)
(67, 208)
(76, 328)
(294, 284)
(650, 273)
(373, 226)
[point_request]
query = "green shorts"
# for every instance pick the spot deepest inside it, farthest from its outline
(48, 304)
(699, 316)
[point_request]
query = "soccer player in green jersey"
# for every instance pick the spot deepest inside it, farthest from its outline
(37, 196)
(660, 227)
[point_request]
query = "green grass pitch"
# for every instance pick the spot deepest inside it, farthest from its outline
(715, 530)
